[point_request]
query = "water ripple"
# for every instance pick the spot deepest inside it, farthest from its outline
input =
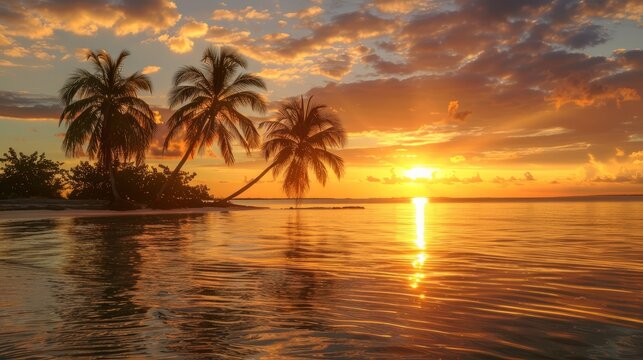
(505, 281)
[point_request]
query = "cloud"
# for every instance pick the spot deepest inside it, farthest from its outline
(305, 13)
(629, 59)
(398, 6)
(619, 152)
(542, 132)
(625, 175)
(181, 42)
(16, 52)
(247, 13)
(4, 40)
(220, 35)
(151, 69)
(7, 63)
(23, 105)
(343, 28)
(436, 179)
(330, 40)
(37, 20)
(81, 53)
(280, 74)
(457, 159)
(513, 180)
(335, 66)
(177, 44)
(637, 157)
(176, 148)
(453, 112)
(193, 29)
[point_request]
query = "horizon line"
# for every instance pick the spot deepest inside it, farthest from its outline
(455, 199)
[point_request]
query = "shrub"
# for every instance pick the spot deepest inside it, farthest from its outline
(30, 176)
(136, 183)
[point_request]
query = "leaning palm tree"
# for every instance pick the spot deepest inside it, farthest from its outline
(210, 97)
(103, 110)
(299, 140)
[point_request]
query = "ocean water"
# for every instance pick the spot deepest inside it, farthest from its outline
(550, 280)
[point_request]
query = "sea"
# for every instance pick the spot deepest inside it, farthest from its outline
(406, 279)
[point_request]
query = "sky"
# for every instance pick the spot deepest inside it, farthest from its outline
(439, 98)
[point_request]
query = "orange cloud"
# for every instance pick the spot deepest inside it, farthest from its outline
(453, 112)
(39, 20)
(193, 29)
(182, 42)
(177, 44)
(305, 13)
(247, 13)
(398, 6)
(151, 69)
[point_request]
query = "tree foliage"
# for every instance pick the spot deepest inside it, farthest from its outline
(209, 98)
(137, 183)
(299, 140)
(104, 112)
(30, 176)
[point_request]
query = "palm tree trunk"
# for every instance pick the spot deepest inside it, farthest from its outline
(175, 173)
(112, 181)
(248, 185)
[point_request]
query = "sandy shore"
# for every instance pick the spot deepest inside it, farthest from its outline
(67, 208)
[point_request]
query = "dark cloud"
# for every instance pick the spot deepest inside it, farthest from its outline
(630, 59)
(513, 180)
(343, 28)
(29, 106)
(586, 36)
(631, 176)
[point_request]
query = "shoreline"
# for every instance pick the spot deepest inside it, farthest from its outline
(79, 212)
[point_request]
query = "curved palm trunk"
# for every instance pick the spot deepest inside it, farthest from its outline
(248, 185)
(175, 173)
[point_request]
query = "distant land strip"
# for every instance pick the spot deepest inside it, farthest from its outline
(582, 198)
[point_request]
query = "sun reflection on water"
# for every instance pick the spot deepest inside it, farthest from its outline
(418, 262)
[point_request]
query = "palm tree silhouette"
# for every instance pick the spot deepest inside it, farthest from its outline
(298, 140)
(211, 96)
(102, 109)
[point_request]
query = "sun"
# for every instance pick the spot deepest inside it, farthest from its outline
(420, 172)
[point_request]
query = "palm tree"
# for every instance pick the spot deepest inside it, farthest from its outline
(102, 109)
(298, 140)
(210, 97)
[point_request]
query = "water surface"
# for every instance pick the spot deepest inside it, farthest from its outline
(482, 280)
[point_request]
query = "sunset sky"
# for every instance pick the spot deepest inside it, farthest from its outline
(439, 98)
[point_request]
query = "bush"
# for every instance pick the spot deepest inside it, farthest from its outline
(30, 176)
(136, 183)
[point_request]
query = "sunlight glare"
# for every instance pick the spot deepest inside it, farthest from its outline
(420, 172)
(419, 203)
(418, 263)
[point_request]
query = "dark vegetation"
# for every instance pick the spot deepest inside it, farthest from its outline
(35, 176)
(30, 176)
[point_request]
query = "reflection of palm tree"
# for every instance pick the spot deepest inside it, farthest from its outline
(101, 314)
(211, 97)
(299, 140)
(102, 109)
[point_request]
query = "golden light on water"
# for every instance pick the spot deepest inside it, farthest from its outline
(419, 204)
